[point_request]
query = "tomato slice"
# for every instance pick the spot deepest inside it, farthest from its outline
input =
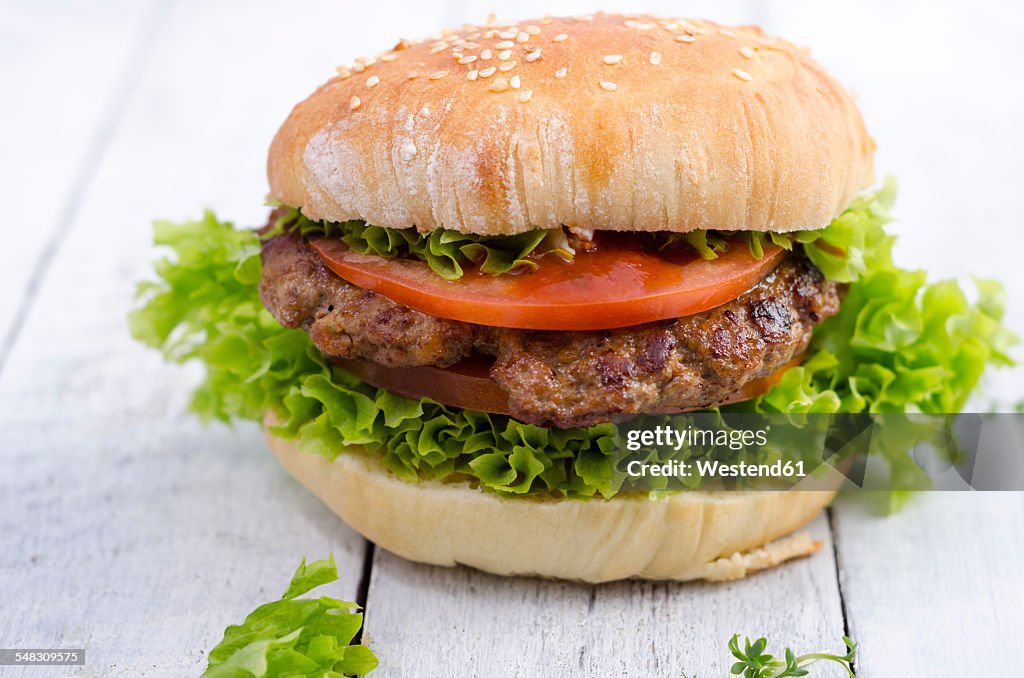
(620, 283)
(468, 384)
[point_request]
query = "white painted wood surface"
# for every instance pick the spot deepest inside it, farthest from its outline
(133, 530)
(429, 621)
(67, 71)
(937, 588)
(129, 528)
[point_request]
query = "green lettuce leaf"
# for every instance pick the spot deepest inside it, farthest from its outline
(445, 251)
(853, 244)
(308, 637)
(898, 344)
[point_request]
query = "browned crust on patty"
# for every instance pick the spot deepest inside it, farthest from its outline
(347, 321)
(562, 378)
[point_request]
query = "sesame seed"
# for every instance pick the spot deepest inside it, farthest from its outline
(353, 103)
(499, 85)
(608, 86)
(507, 35)
(486, 54)
(439, 48)
(343, 72)
(491, 18)
(488, 72)
(523, 36)
(726, 32)
(505, 55)
(559, 38)
(685, 37)
(468, 59)
(533, 56)
(747, 52)
(413, 75)
(525, 95)
(514, 82)
(366, 61)
(358, 67)
(438, 75)
(472, 75)
(458, 48)
(655, 58)
(507, 66)
(742, 75)
(372, 81)
(612, 59)
(533, 30)
(505, 44)
(560, 73)
(390, 56)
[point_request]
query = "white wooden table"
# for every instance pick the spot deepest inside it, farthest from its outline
(131, 530)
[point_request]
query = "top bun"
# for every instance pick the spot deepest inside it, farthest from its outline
(601, 122)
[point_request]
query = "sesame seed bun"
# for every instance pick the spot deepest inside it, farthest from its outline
(602, 122)
(690, 535)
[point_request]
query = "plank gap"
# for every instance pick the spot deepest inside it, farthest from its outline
(837, 563)
(107, 124)
(363, 590)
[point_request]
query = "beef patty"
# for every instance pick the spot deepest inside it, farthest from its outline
(562, 378)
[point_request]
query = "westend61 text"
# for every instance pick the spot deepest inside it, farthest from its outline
(705, 468)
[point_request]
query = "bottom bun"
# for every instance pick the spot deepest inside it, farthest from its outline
(683, 536)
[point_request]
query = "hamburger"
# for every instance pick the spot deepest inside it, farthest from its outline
(489, 250)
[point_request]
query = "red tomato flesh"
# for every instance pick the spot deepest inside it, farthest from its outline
(468, 384)
(620, 283)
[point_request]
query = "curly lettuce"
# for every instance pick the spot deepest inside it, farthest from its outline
(446, 252)
(843, 250)
(853, 244)
(898, 344)
(300, 637)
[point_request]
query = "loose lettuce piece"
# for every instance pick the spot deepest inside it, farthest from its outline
(299, 637)
(445, 251)
(898, 344)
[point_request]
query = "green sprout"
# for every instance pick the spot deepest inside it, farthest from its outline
(754, 662)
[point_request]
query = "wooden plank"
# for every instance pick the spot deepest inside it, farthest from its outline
(66, 76)
(129, 528)
(935, 589)
(432, 621)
